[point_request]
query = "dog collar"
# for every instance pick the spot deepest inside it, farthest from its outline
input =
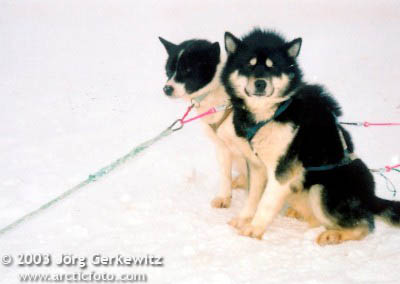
(216, 125)
(197, 100)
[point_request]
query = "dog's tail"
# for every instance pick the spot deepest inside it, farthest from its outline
(388, 210)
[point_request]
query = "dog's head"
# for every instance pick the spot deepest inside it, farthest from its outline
(191, 67)
(262, 64)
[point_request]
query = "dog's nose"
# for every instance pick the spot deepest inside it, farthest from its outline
(168, 90)
(260, 85)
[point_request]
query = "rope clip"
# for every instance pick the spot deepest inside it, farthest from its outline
(175, 127)
(195, 103)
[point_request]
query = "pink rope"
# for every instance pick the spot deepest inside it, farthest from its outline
(367, 124)
(389, 168)
(210, 111)
(186, 113)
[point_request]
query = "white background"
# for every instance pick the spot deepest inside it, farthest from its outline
(80, 85)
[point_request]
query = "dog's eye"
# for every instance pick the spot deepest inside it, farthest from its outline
(169, 73)
(269, 63)
(186, 70)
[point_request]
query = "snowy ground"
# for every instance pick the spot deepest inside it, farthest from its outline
(81, 85)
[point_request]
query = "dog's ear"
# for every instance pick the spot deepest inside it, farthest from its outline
(231, 43)
(169, 46)
(293, 47)
(215, 48)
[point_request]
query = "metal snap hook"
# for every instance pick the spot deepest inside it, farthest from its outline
(195, 103)
(174, 126)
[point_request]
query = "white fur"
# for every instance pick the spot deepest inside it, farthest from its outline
(270, 143)
(316, 205)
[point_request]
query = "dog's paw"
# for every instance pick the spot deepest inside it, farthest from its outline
(292, 213)
(330, 237)
(252, 231)
(221, 202)
(239, 182)
(239, 223)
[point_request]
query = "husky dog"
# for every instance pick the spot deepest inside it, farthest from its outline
(292, 127)
(193, 69)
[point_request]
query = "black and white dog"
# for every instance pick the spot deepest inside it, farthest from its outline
(193, 69)
(292, 127)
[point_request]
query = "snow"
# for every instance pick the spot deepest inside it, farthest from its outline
(81, 85)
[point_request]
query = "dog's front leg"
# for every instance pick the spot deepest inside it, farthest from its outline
(270, 204)
(224, 156)
(258, 178)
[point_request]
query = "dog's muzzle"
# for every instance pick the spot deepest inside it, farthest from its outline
(256, 87)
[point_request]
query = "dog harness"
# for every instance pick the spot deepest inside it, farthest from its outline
(252, 131)
(215, 126)
(347, 159)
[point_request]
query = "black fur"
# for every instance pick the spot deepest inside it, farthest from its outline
(348, 191)
(197, 64)
(260, 44)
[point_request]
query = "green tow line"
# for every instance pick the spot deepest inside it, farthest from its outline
(94, 177)
(177, 125)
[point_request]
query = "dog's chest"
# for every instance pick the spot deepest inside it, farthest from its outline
(272, 141)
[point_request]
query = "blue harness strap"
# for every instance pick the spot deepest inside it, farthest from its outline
(345, 161)
(252, 131)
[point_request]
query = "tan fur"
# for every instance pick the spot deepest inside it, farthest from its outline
(308, 206)
(269, 63)
(316, 206)
(333, 237)
(240, 182)
(239, 222)
(239, 147)
(269, 143)
(227, 155)
(300, 208)
(221, 202)
(292, 213)
(261, 107)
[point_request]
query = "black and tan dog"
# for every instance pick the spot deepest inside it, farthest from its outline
(292, 127)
